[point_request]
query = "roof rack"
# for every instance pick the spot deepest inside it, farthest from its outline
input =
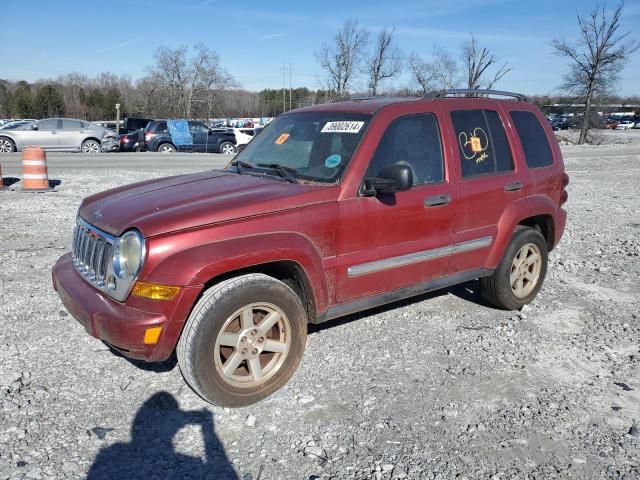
(473, 92)
(378, 97)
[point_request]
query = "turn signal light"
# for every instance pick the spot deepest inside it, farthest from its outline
(155, 292)
(151, 335)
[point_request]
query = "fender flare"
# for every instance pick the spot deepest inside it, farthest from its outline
(198, 265)
(513, 215)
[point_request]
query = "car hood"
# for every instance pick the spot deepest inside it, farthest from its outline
(186, 201)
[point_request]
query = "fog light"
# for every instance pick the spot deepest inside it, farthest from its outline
(151, 335)
(155, 292)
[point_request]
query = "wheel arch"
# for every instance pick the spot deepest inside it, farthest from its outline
(537, 212)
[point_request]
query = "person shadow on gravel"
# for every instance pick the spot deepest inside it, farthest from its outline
(150, 454)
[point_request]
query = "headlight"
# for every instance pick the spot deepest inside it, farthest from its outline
(128, 254)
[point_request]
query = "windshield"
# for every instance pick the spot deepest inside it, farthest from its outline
(314, 146)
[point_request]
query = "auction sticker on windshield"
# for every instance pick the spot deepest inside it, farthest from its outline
(342, 127)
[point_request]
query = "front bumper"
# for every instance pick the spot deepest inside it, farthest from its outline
(122, 325)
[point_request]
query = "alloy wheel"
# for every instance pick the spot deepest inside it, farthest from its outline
(525, 270)
(252, 345)
(5, 146)
(91, 146)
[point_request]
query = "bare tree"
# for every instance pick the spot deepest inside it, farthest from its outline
(186, 80)
(596, 58)
(478, 62)
(438, 75)
(340, 59)
(385, 61)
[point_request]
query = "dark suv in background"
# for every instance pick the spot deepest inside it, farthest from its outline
(158, 139)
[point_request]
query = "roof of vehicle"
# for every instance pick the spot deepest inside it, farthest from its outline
(370, 105)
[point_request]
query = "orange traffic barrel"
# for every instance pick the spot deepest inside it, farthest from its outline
(35, 177)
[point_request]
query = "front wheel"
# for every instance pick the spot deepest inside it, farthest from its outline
(7, 145)
(243, 340)
(520, 274)
(227, 148)
(90, 146)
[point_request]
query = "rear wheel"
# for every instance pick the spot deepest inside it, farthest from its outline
(227, 148)
(166, 148)
(90, 146)
(520, 274)
(7, 145)
(243, 340)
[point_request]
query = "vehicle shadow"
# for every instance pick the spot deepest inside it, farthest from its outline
(469, 291)
(150, 453)
(157, 367)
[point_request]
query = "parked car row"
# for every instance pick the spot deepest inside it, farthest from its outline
(56, 134)
(65, 134)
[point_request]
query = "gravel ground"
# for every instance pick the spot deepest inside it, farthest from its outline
(441, 386)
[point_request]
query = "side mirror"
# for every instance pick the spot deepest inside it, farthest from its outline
(34, 126)
(391, 179)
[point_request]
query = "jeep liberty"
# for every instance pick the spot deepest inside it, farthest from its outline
(330, 210)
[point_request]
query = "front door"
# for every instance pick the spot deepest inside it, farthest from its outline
(46, 135)
(402, 239)
(200, 133)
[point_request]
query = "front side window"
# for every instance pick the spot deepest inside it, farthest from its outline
(482, 142)
(198, 128)
(533, 138)
(315, 146)
(49, 124)
(413, 140)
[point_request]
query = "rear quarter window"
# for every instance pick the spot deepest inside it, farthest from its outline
(533, 138)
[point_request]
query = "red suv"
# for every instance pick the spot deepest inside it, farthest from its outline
(331, 210)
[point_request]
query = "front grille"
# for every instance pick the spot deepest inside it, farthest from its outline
(92, 251)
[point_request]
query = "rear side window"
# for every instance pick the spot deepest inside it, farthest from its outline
(415, 141)
(158, 127)
(482, 142)
(533, 138)
(71, 124)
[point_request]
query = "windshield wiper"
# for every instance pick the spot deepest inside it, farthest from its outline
(241, 165)
(284, 172)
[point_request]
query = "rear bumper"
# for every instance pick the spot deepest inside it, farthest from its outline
(561, 222)
(122, 325)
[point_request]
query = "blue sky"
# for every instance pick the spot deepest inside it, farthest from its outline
(255, 38)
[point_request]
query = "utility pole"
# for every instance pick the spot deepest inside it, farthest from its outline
(117, 119)
(284, 91)
(290, 72)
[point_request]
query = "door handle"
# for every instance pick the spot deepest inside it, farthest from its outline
(437, 200)
(512, 187)
(53, 133)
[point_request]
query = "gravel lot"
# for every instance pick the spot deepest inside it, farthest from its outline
(441, 386)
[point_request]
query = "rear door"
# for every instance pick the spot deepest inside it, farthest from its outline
(393, 241)
(46, 135)
(70, 136)
(488, 182)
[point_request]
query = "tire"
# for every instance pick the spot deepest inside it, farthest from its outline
(166, 148)
(90, 146)
(527, 245)
(227, 148)
(7, 145)
(204, 353)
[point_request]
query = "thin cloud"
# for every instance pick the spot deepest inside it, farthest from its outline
(272, 35)
(120, 45)
(204, 3)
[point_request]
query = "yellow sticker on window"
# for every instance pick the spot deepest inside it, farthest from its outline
(476, 146)
(281, 139)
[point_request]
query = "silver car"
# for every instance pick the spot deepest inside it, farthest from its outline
(56, 134)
